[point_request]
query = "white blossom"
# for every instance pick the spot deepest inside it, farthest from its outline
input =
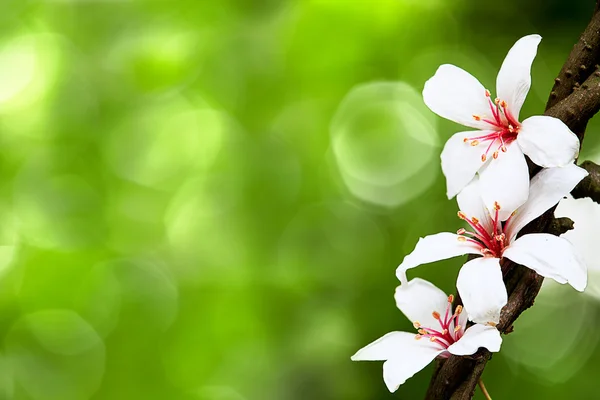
(496, 150)
(480, 283)
(441, 330)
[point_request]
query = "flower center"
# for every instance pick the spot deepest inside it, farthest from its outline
(449, 330)
(504, 125)
(491, 241)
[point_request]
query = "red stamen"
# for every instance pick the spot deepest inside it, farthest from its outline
(493, 123)
(446, 316)
(504, 124)
(473, 234)
(491, 143)
(449, 331)
(494, 110)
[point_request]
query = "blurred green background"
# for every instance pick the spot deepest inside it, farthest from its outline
(207, 199)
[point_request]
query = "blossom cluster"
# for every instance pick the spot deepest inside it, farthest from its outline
(487, 172)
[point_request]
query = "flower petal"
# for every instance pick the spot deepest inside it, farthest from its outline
(463, 318)
(389, 345)
(475, 337)
(550, 256)
(548, 141)
(471, 203)
(454, 94)
(514, 79)
(461, 161)
(397, 371)
(547, 188)
(482, 289)
(406, 356)
(435, 248)
(505, 180)
(418, 298)
(585, 214)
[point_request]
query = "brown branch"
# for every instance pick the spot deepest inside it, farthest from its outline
(581, 62)
(575, 98)
(590, 185)
(582, 104)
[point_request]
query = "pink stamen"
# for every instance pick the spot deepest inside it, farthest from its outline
(448, 334)
(485, 238)
(491, 243)
(475, 235)
(494, 123)
(489, 136)
(458, 333)
(505, 127)
(491, 143)
(511, 120)
(494, 109)
(447, 312)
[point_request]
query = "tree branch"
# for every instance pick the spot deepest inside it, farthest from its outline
(581, 104)
(574, 99)
(581, 62)
(590, 185)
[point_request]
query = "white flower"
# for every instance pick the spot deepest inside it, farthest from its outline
(442, 332)
(479, 281)
(496, 149)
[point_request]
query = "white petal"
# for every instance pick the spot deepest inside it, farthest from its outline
(406, 356)
(454, 94)
(471, 203)
(389, 345)
(550, 256)
(585, 214)
(548, 141)
(463, 318)
(461, 161)
(506, 181)
(482, 289)
(514, 79)
(475, 337)
(418, 299)
(547, 188)
(435, 248)
(397, 370)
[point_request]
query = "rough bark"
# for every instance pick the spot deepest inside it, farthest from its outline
(581, 62)
(574, 99)
(590, 185)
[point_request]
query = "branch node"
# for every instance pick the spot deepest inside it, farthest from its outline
(590, 185)
(558, 226)
(569, 73)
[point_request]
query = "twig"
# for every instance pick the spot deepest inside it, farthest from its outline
(484, 390)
